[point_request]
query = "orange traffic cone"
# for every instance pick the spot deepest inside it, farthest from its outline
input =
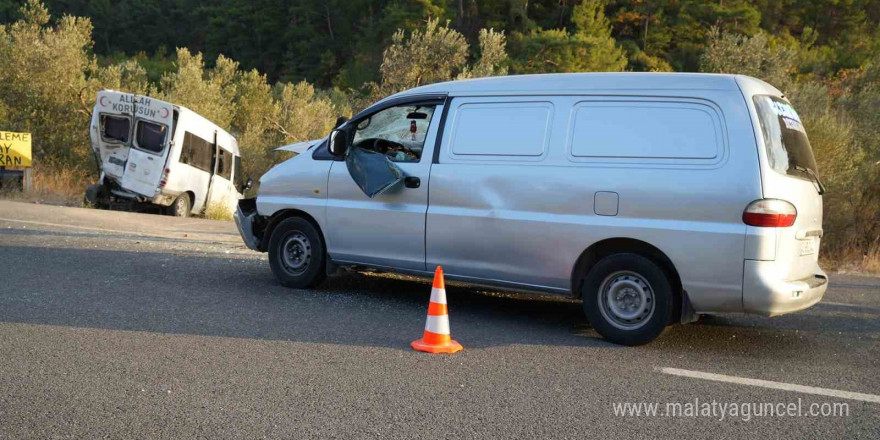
(437, 338)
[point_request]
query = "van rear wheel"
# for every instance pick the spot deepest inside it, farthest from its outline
(627, 298)
(181, 206)
(296, 254)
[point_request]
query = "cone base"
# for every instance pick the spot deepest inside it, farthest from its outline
(421, 345)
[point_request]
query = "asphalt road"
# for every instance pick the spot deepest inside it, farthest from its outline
(119, 325)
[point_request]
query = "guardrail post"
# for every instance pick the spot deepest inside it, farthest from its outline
(27, 180)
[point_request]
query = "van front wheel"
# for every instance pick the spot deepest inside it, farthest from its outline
(627, 298)
(296, 254)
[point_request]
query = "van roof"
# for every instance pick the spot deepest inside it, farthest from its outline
(568, 82)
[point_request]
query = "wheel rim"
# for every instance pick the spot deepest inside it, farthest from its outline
(296, 253)
(626, 300)
(181, 206)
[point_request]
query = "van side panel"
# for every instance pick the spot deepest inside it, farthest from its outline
(300, 183)
(184, 177)
(689, 206)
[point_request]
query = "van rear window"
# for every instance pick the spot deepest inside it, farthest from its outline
(115, 128)
(151, 136)
(784, 136)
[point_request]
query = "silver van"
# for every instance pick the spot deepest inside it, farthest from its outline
(653, 197)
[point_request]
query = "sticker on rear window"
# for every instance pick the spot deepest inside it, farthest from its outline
(789, 116)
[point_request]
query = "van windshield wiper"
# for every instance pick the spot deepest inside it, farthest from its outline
(820, 188)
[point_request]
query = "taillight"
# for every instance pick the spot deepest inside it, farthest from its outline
(770, 213)
(164, 178)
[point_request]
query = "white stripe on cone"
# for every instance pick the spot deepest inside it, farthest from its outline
(438, 324)
(438, 295)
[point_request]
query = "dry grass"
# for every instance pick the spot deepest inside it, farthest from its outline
(853, 259)
(53, 185)
(218, 211)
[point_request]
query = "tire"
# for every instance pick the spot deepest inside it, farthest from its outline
(297, 254)
(180, 207)
(628, 299)
(95, 196)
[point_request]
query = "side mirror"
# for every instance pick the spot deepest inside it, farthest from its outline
(249, 184)
(338, 142)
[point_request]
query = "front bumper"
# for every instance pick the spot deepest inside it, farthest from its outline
(765, 294)
(244, 216)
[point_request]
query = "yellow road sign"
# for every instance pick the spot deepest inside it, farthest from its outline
(15, 149)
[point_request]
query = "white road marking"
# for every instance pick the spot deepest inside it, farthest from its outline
(856, 306)
(873, 398)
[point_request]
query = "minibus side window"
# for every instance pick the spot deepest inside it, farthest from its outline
(151, 136)
(240, 181)
(197, 152)
(224, 164)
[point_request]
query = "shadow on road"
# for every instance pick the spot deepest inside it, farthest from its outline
(239, 298)
(236, 297)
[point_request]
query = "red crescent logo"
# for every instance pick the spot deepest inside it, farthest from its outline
(101, 101)
(166, 113)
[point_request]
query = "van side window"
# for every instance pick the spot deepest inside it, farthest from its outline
(197, 152)
(115, 128)
(224, 164)
(151, 136)
(502, 129)
(646, 132)
(397, 132)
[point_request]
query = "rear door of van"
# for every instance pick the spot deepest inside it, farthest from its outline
(111, 131)
(151, 137)
(789, 173)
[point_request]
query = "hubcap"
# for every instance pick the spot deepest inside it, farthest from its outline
(296, 253)
(626, 300)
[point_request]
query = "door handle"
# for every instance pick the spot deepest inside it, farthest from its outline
(412, 182)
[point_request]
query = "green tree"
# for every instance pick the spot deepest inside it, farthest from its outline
(435, 54)
(754, 56)
(44, 83)
(211, 92)
(589, 48)
(492, 59)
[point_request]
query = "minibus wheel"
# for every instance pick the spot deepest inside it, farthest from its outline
(627, 298)
(95, 197)
(296, 254)
(181, 206)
